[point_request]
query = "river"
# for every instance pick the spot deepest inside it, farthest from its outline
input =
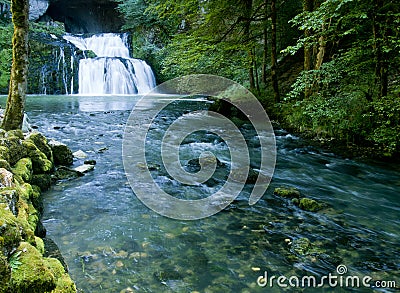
(113, 243)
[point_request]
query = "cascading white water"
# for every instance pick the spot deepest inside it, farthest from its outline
(113, 71)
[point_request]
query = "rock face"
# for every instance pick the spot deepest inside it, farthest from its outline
(93, 16)
(37, 8)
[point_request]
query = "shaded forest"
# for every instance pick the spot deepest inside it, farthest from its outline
(327, 69)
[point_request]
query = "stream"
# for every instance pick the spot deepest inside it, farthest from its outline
(113, 243)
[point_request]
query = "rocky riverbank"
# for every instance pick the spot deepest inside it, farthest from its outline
(27, 163)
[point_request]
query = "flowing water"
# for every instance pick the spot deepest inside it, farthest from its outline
(112, 242)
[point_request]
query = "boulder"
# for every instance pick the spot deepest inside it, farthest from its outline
(23, 168)
(61, 153)
(40, 163)
(41, 143)
(287, 192)
(6, 178)
(310, 205)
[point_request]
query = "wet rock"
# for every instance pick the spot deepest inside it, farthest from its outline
(194, 165)
(80, 154)
(102, 150)
(90, 162)
(287, 192)
(61, 153)
(65, 173)
(84, 168)
(311, 205)
(23, 168)
(43, 181)
(52, 250)
(301, 246)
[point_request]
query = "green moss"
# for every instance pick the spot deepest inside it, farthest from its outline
(33, 275)
(287, 192)
(39, 245)
(15, 149)
(4, 164)
(43, 181)
(65, 285)
(15, 133)
(4, 153)
(10, 231)
(36, 198)
(5, 273)
(23, 168)
(301, 246)
(61, 153)
(41, 143)
(310, 205)
(40, 163)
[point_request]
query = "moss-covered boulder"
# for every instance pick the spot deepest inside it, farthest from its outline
(41, 143)
(5, 164)
(287, 192)
(33, 274)
(15, 150)
(301, 246)
(40, 163)
(311, 205)
(43, 181)
(4, 153)
(23, 168)
(61, 153)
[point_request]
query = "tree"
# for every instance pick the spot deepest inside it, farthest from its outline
(14, 113)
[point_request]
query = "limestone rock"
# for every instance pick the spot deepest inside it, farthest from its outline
(6, 178)
(84, 168)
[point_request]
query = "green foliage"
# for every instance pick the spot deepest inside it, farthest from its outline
(5, 57)
(385, 115)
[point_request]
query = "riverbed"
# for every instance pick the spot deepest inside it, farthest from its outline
(112, 242)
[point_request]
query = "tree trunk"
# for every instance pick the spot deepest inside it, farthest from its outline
(248, 6)
(380, 40)
(274, 59)
(321, 50)
(14, 113)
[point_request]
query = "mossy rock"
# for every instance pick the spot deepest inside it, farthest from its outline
(5, 273)
(311, 205)
(39, 244)
(34, 274)
(36, 198)
(15, 149)
(4, 152)
(61, 153)
(10, 198)
(43, 181)
(5, 164)
(14, 133)
(287, 192)
(10, 230)
(40, 163)
(41, 143)
(23, 168)
(301, 246)
(65, 285)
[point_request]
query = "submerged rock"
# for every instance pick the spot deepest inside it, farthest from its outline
(287, 192)
(80, 154)
(311, 205)
(301, 246)
(65, 173)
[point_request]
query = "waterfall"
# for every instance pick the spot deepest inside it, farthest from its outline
(112, 71)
